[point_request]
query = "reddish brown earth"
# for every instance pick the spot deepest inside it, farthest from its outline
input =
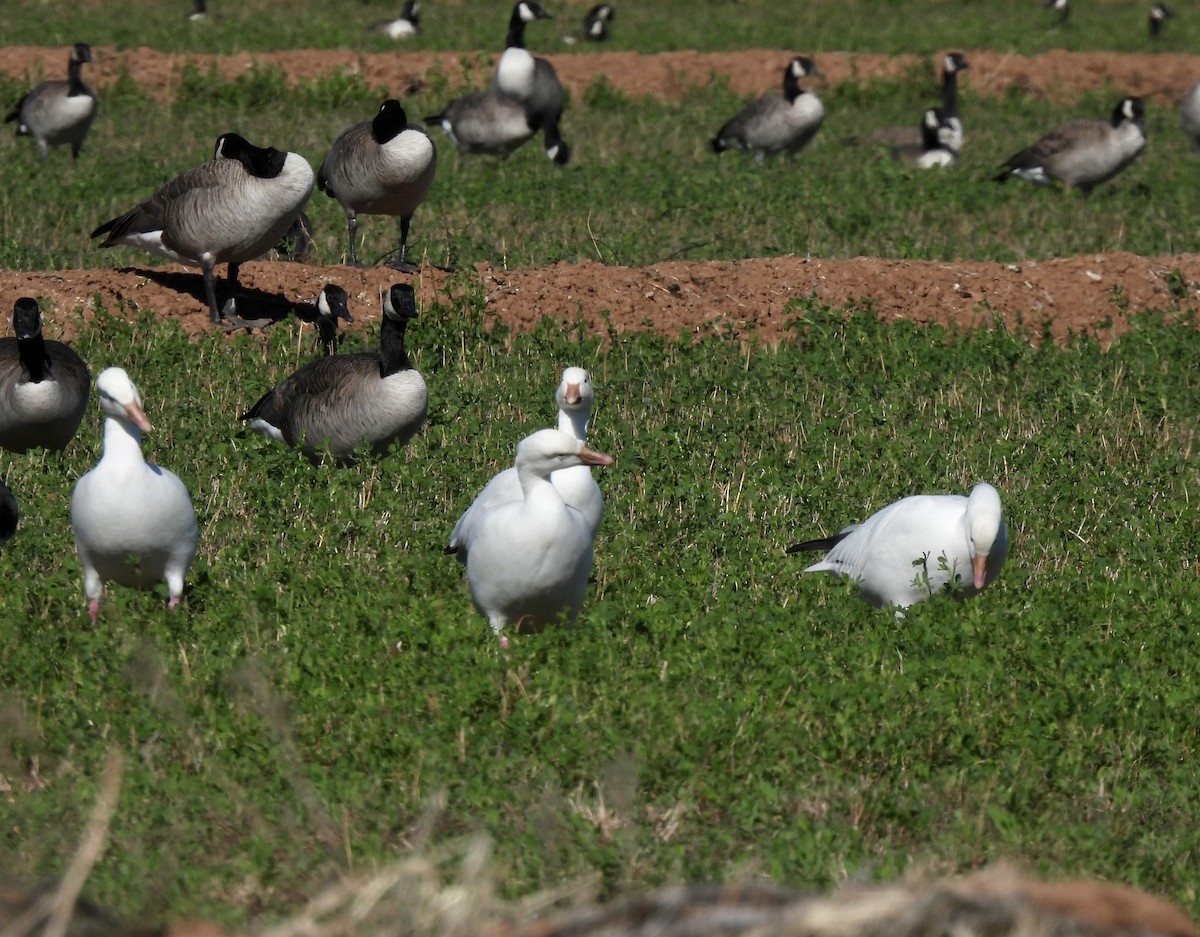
(740, 298)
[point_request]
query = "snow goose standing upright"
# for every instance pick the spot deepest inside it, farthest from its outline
(530, 559)
(133, 521)
(44, 385)
(575, 485)
(58, 112)
(228, 210)
(340, 402)
(532, 81)
(383, 166)
(958, 542)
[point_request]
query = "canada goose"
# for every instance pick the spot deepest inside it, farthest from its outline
(44, 385)
(575, 486)
(133, 522)
(199, 11)
(332, 304)
(533, 81)
(339, 402)
(1062, 7)
(776, 123)
(1189, 114)
(935, 148)
(408, 23)
(529, 560)
(9, 513)
(595, 24)
(1083, 153)
(486, 122)
(1159, 14)
(228, 210)
(58, 112)
(383, 166)
(905, 137)
(919, 546)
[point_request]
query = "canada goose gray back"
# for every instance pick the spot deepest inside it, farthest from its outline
(58, 112)
(9, 513)
(1083, 153)
(1159, 14)
(937, 143)
(382, 166)
(228, 210)
(407, 24)
(776, 123)
(486, 122)
(1189, 114)
(533, 81)
(44, 385)
(338, 403)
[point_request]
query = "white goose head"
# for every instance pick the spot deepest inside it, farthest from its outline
(574, 397)
(549, 450)
(984, 521)
(120, 399)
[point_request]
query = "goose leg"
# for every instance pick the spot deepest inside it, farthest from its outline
(401, 263)
(352, 230)
(210, 292)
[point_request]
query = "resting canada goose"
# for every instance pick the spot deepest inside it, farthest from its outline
(1189, 114)
(1083, 153)
(227, 210)
(1159, 14)
(533, 81)
(199, 11)
(595, 25)
(486, 122)
(44, 385)
(408, 23)
(383, 166)
(529, 560)
(919, 546)
(936, 147)
(776, 123)
(58, 112)
(9, 514)
(575, 486)
(340, 402)
(133, 522)
(952, 64)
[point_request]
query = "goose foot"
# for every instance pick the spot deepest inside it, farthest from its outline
(94, 610)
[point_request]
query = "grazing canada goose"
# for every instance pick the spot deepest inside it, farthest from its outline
(936, 147)
(533, 81)
(919, 546)
(383, 166)
(44, 385)
(595, 25)
(9, 513)
(575, 486)
(1189, 114)
(407, 24)
(133, 522)
(529, 560)
(1083, 153)
(1159, 14)
(486, 122)
(58, 112)
(340, 402)
(1062, 7)
(228, 210)
(776, 123)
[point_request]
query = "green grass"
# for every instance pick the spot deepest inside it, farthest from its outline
(327, 677)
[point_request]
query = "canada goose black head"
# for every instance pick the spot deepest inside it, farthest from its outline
(332, 304)
(526, 11)
(400, 304)
(1131, 109)
(389, 122)
(799, 67)
(81, 52)
(954, 62)
(263, 162)
(1159, 14)
(26, 318)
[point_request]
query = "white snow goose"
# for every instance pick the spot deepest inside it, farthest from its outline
(575, 485)
(337, 403)
(919, 546)
(44, 385)
(133, 521)
(529, 560)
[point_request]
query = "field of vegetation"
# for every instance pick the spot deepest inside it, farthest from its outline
(326, 699)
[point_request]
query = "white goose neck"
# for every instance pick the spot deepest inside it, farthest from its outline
(122, 441)
(574, 423)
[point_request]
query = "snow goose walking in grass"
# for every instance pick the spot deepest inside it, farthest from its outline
(58, 112)
(776, 123)
(44, 385)
(575, 485)
(228, 210)
(133, 522)
(529, 560)
(340, 402)
(919, 546)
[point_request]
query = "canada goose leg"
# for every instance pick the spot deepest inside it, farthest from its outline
(210, 292)
(401, 263)
(352, 231)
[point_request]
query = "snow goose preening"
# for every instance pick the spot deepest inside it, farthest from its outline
(228, 210)
(532, 81)
(575, 485)
(1083, 153)
(529, 560)
(9, 514)
(776, 123)
(44, 385)
(58, 112)
(133, 522)
(958, 542)
(382, 166)
(407, 24)
(338, 403)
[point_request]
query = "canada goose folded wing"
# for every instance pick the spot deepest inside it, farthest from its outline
(489, 122)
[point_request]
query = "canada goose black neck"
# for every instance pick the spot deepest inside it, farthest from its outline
(263, 162)
(389, 122)
(399, 306)
(797, 68)
(1132, 110)
(524, 12)
(953, 64)
(331, 305)
(80, 54)
(31, 347)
